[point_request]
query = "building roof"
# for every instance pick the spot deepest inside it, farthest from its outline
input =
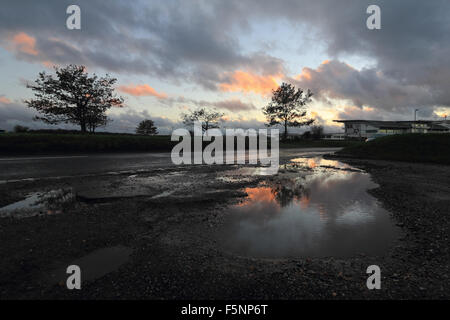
(381, 124)
(434, 125)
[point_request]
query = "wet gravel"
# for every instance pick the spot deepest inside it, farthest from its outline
(176, 254)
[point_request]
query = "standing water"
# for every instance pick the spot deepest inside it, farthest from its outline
(313, 208)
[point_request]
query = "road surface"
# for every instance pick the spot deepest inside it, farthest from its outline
(33, 167)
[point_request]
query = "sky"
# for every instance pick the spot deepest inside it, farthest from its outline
(174, 56)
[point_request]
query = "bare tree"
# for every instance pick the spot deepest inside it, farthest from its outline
(72, 96)
(210, 118)
(288, 107)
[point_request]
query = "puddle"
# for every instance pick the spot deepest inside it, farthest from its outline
(319, 208)
(319, 162)
(39, 203)
(94, 265)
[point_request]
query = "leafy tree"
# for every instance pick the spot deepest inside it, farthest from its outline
(288, 107)
(317, 132)
(146, 127)
(209, 118)
(95, 120)
(20, 129)
(73, 96)
(306, 135)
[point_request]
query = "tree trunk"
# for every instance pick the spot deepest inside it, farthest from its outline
(82, 116)
(285, 130)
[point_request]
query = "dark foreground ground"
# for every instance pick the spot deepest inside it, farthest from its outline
(177, 255)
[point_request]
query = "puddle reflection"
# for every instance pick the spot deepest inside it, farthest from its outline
(39, 203)
(322, 210)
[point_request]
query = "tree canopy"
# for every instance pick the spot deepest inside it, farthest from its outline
(210, 118)
(288, 107)
(73, 96)
(146, 127)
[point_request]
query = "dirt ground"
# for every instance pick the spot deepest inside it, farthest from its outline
(169, 219)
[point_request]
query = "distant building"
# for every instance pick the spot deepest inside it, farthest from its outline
(2, 131)
(369, 128)
(333, 136)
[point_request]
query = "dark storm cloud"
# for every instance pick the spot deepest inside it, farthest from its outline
(174, 40)
(198, 42)
(338, 80)
(412, 49)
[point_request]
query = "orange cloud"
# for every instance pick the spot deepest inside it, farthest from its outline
(48, 64)
(24, 43)
(4, 100)
(306, 74)
(142, 90)
(249, 82)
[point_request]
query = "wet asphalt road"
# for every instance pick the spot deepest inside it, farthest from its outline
(16, 168)
(55, 166)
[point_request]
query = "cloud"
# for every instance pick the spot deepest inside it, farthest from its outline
(205, 43)
(12, 114)
(142, 90)
(234, 105)
(22, 42)
(128, 119)
(176, 40)
(367, 87)
(247, 82)
(4, 100)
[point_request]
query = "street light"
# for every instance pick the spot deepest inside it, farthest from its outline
(415, 111)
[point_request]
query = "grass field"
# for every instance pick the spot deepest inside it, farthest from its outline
(45, 143)
(42, 143)
(414, 147)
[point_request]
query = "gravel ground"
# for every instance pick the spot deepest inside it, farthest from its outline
(175, 254)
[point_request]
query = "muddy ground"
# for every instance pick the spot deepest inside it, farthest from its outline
(170, 217)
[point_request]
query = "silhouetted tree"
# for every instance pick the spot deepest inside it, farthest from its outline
(286, 191)
(95, 120)
(146, 127)
(209, 118)
(20, 129)
(306, 135)
(72, 96)
(288, 107)
(317, 132)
